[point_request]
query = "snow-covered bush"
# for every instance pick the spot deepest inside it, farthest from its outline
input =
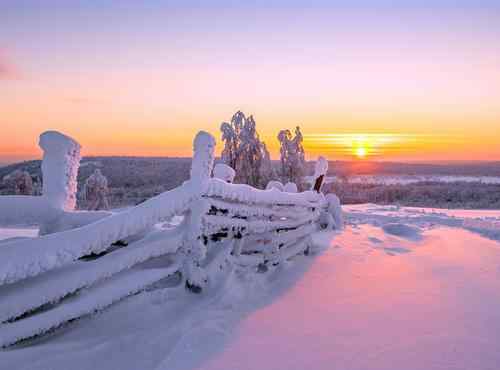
(245, 152)
(292, 156)
(96, 191)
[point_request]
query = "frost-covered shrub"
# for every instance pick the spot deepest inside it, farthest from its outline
(245, 152)
(292, 156)
(96, 191)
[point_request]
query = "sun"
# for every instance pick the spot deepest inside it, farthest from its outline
(361, 152)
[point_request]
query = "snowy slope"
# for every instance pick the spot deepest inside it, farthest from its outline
(397, 289)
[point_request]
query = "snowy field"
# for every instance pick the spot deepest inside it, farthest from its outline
(399, 288)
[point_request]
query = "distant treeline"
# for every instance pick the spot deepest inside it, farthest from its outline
(422, 194)
(131, 179)
(349, 168)
(135, 179)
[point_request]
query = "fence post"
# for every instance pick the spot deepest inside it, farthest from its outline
(194, 246)
(203, 157)
(320, 170)
(61, 160)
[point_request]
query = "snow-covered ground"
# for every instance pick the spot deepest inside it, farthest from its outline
(18, 232)
(399, 288)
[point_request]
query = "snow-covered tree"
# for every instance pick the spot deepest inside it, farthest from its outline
(245, 152)
(292, 156)
(96, 191)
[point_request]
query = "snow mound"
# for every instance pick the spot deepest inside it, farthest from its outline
(274, 185)
(224, 172)
(403, 231)
(290, 187)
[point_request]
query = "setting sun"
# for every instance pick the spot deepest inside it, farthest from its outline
(360, 152)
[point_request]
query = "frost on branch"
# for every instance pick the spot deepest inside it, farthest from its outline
(292, 156)
(96, 191)
(224, 172)
(61, 160)
(245, 152)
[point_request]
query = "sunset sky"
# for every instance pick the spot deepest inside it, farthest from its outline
(418, 81)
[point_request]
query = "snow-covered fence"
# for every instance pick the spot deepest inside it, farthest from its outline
(53, 211)
(61, 160)
(250, 228)
(224, 226)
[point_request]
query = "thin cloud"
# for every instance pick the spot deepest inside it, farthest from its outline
(8, 71)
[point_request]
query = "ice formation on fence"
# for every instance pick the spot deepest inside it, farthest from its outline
(225, 226)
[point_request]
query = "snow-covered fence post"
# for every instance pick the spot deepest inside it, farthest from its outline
(203, 158)
(194, 247)
(320, 170)
(61, 160)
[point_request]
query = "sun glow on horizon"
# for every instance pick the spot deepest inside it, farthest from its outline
(361, 146)
(361, 152)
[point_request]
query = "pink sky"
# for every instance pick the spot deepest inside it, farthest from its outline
(142, 80)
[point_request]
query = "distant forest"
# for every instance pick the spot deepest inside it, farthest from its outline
(135, 179)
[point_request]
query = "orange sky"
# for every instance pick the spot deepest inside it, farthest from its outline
(414, 84)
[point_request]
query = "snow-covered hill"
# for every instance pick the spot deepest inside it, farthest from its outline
(399, 288)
